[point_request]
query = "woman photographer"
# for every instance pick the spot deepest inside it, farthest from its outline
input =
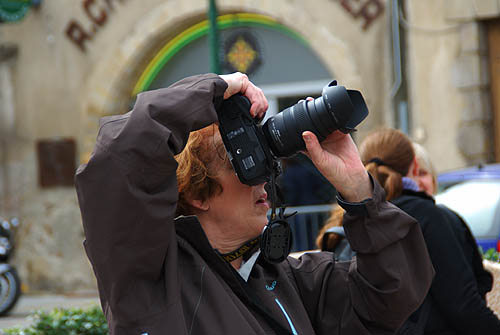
(159, 274)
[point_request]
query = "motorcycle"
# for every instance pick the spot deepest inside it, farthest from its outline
(10, 284)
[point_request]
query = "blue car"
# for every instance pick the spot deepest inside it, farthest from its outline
(474, 193)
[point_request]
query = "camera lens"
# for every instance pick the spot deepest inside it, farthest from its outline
(337, 108)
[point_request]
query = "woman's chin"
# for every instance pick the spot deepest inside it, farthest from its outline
(262, 224)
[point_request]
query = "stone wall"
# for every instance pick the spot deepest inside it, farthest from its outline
(449, 89)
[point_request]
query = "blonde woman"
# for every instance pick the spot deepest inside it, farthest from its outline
(426, 178)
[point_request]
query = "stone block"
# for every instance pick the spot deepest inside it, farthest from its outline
(486, 8)
(472, 38)
(459, 10)
(52, 257)
(484, 69)
(466, 10)
(472, 139)
(477, 105)
(470, 70)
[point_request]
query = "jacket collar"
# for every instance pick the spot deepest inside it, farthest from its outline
(188, 228)
(419, 194)
(409, 184)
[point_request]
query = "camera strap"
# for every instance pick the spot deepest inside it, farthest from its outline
(276, 239)
(242, 250)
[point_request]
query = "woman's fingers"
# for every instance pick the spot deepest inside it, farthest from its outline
(239, 83)
(257, 99)
(236, 82)
(314, 149)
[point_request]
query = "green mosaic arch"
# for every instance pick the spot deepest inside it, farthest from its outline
(201, 29)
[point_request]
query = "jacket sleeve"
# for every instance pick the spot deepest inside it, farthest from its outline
(392, 271)
(128, 193)
(454, 290)
(384, 283)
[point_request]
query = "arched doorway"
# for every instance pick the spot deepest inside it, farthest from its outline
(269, 52)
(275, 57)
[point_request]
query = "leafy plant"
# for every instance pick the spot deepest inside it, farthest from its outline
(491, 254)
(60, 321)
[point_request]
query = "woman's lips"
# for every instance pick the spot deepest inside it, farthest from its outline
(262, 201)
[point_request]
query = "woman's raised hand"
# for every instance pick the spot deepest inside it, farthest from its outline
(337, 158)
(239, 83)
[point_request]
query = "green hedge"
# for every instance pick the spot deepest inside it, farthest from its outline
(490, 254)
(60, 321)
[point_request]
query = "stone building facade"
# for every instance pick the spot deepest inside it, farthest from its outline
(66, 64)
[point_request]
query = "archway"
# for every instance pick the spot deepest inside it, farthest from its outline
(252, 43)
(112, 82)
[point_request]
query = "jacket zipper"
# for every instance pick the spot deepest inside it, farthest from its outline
(294, 331)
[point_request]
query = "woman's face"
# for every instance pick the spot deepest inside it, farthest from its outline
(241, 207)
(425, 181)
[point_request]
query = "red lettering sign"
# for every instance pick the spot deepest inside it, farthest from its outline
(97, 12)
(369, 10)
(89, 7)
(77, 34)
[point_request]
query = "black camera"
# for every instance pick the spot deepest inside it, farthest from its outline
(253, 148)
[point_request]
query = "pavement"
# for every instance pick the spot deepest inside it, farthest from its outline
(28, 303)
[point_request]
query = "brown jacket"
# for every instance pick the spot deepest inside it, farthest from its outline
(159, 276)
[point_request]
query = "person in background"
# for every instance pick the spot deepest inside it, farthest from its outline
(454, 304)
(426, 177)
(427, 182)
(171, 231)
(302, 184)
(331, 236)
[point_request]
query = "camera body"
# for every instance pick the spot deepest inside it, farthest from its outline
(253, 148)
(245, 144)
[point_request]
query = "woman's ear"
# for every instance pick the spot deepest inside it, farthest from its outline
(414, 168)
(202, 205)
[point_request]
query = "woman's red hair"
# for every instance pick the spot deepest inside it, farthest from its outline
(198, 165)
